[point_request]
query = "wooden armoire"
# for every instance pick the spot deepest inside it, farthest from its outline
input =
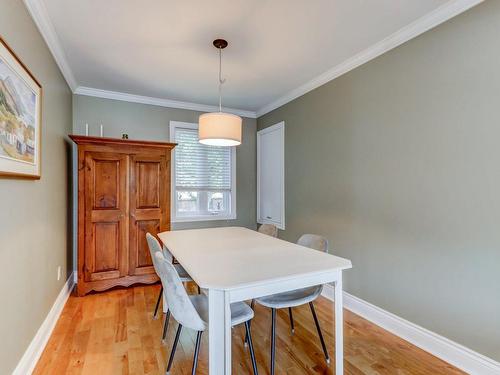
(123, 193)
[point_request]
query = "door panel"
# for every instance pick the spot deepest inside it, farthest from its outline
(143, 254)
(106, 246)
(106, 185)
(270, 176)
(105, 216)
(149, 203)
(148, 181)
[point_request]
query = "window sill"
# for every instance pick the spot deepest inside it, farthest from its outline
(202, 218)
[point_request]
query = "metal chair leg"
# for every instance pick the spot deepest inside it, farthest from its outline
(291, 320)
(196, 352)
(252, 304)
(273, 339)
(165, 326)
(158, 303)
(250, 344)
(327, 357)
(172, 353)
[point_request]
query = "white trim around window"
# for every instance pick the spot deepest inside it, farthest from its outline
(175, 216)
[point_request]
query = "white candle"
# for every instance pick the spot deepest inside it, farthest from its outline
(102, 130)
(87, 130)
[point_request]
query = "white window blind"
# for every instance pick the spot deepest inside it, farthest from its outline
(200, 167)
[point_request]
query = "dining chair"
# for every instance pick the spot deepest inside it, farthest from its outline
(296, 298)
(269, 229)
(154, 247)
(191, 311)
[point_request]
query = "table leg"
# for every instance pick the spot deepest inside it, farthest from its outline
(219, 332)
(339, 327)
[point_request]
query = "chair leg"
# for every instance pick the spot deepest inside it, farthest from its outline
(199, 290)
(172, 353)
(327, 357)
(158, 303)
(196, 352)
(252, 304)
(250, 344)
(165, 326)
(291, 320)
(273, 340)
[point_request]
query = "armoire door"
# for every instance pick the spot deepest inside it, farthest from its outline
(149, 207)
(106, 216)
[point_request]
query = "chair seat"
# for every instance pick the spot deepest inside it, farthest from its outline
(240, 311)
(183, 275)
(291, 299)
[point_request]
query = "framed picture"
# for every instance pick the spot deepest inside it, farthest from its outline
(20, 117)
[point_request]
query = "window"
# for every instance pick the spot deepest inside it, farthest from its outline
(203, 177)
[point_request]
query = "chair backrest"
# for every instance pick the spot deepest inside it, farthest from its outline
(314, 241)
(179, 304)
(269, 229)
(154, 247)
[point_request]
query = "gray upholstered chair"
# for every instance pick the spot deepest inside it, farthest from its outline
(314, 241)
(154, 247)
(269, 229)
(191, 311)
(296, 298)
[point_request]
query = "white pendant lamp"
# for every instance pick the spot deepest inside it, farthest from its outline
(220, 128)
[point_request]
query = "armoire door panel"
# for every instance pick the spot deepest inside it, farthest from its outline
(106, 187)
(149, 196)
(143, 253)
(106, 244)
(148, 184)
(106, 218)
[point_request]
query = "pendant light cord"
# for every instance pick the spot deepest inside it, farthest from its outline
(221, 81)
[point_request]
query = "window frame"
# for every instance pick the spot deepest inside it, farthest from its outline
(174, 218)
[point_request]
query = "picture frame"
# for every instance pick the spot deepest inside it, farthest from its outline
(20, 118)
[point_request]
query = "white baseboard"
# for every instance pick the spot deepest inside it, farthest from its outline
(35, 349)
(443, 348)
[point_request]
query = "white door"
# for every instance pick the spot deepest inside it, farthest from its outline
(271, 175)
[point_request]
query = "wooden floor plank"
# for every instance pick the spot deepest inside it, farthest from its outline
(115, 333)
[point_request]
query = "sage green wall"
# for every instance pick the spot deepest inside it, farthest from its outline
(398, 164)
(33, 214)
(141, 121)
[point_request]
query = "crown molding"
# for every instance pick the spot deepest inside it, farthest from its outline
(445, 12)
(40, 16)
(39, 13)
(115, 95)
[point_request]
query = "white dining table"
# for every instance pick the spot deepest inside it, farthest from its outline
(237, 264)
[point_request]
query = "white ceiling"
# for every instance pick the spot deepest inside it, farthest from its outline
(163, 48)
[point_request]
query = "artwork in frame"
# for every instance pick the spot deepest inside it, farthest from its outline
(20, 117)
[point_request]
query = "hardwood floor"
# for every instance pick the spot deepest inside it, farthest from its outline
(114, 333)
